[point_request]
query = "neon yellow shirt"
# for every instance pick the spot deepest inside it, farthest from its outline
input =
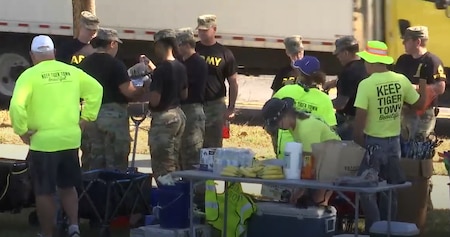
(312, 130)
(383, 95)
(46, 99)
(314, 101)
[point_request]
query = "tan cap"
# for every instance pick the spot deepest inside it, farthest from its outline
(184, 35)
(344, 43)
(415, 32)
(108, 34)
(293, 44)
(206, 21)
(164, 34)
(89, 20)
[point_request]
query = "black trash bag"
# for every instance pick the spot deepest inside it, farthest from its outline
(16, 191)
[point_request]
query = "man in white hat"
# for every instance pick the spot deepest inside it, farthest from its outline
(45, 113)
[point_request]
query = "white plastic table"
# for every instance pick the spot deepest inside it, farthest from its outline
(196, 175)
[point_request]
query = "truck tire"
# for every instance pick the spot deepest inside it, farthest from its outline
(11, 66)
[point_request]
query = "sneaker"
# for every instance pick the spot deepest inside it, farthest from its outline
(75, 234)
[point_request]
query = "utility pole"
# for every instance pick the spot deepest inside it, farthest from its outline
(77, 7)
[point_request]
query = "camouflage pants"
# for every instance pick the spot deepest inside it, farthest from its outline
(164, 139)
(109, 138)
(194, 132)
(214, 111)
(85, 150)
(382, 155)
(414, 125)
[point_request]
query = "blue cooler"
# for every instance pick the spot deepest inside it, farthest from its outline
(286, 220)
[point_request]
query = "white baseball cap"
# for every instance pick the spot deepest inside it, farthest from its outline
(42, 44)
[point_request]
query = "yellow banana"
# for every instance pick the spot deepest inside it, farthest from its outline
(247, 172)
(272, 172)
(276, 176)
(230, 174)
(231, 168)
(258, 168)
(272, 167)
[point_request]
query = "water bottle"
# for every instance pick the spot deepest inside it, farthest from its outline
(226, 130)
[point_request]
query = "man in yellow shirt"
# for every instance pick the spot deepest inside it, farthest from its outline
(45, 113)
(379, 101)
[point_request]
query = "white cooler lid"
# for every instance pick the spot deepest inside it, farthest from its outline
(397, 228)
(289, 210)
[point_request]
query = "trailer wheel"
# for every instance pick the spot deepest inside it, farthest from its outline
(11, 66)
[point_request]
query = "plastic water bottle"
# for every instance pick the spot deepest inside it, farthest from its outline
(226, 130)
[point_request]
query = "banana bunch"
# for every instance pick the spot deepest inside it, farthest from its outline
(250, 172)
(231, 171)
(271, 172)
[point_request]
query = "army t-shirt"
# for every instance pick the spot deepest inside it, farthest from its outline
(286, 76)
(169, 79)
(221, 65)
(428, 67)
(73, 51)
(382, 95)
(110, 73)
(347, 84)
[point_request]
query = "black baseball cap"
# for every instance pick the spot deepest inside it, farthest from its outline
(344, 43)
(274, 109)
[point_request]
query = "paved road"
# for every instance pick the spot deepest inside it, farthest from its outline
(440, 195)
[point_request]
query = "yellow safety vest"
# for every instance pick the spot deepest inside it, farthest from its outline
(240, 208)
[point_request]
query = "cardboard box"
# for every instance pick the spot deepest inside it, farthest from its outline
(413, 201)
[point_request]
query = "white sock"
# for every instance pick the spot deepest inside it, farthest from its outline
(73, 229)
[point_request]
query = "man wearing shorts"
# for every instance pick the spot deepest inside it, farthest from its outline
(379, 101)
(52, 127)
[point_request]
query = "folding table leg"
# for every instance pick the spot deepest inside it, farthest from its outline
(191, 208)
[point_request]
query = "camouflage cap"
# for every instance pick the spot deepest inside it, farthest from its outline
(164, 34)
(344, 43)
(184, 35)
(108, 34)
(416, 32)
(204, 22)
(89, 20)
(293, 44)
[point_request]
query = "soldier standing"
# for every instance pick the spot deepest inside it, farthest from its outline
(168, 88)
(417, 63)
(197, 73)
(109, 134)
(347, 83)
(221, 66)
(288, 75)
(73, 52)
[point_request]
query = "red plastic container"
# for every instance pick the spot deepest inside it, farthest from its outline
(226, 130)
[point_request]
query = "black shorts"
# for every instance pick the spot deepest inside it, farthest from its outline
(54, 169)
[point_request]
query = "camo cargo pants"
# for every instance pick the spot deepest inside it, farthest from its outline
(414, 126)
(214, 111)
(192, 139)
(164, 140)
(109, 138)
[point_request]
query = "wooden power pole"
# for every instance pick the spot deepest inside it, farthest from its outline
(77, 7)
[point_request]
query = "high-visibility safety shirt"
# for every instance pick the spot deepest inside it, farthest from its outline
(240, 208)
(311, 101)
(46, 100)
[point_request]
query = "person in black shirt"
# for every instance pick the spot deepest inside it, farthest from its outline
(197, 73)
(417, 63)
(347, 82)
(75, 50)
(288, 75)
(221, 66)
(109, 137)
(168, 88)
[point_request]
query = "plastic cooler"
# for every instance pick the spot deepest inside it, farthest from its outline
(172, 208)
(398, 229)
(280, 219)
